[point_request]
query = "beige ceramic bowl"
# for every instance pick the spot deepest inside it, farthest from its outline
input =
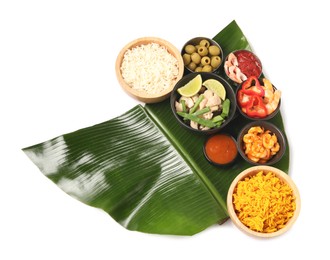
(250, 172)
(143, 95)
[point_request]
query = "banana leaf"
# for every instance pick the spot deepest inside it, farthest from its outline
(146, 171)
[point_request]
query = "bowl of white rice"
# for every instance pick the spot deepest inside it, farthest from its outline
(148, 69)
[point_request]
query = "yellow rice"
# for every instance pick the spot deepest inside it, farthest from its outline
(263, 202)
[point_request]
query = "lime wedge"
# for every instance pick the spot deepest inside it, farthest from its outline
(216, 87)
(192, 87)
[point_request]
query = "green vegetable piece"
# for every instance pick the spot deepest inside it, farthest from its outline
(225, 108)
(201, 121)
(217, 119)
(199, 100)
(183, 103)
(202, 111)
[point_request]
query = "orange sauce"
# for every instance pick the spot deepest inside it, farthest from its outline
(221, 149)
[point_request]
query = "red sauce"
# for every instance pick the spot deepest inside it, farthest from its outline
(248, 63)
(221, 149)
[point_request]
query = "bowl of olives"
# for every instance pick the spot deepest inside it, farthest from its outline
(202, 54)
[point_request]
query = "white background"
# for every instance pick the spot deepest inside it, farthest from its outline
(57, 75)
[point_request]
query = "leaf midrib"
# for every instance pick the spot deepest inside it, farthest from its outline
(188, 159)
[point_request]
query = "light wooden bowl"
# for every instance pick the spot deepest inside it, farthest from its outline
(142, 95)
(250, 172)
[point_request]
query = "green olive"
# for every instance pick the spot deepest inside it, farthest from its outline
(189, 49)
(202, 50)
(207, 68)
(204, 43)
(214, 50)
(215, 61)
(206, 60)
(186, 59)
(192, 66)
(196, 58)
(198, 69)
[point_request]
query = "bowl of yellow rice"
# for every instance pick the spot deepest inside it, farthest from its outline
(263, 201)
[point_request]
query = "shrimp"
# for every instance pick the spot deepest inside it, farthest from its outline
(240, 76)
(247, 148)
(267, 157)
(271, 106)
(275, 149)
(253, 158)
(258, 150)
(267, 141)
(269, 91)
(232, 69)
(232, 59)
(232, 73)
(236, 74)
(255, 130)
(274, 137)
(230, 63)
(269, 96)
(267, 84)
(248, 138)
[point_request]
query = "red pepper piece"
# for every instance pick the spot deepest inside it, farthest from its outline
(256, 108)
(243, 99)
(252, 87)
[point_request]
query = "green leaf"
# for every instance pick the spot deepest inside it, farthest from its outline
(231, 38)
(144, 169)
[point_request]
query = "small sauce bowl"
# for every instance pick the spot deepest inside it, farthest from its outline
(220, 149)
(242, 61)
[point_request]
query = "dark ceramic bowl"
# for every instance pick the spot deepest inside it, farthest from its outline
(271, 115)
(230, 94)
(250, 56)
(220, 149)
(195, 42)
(266, 126)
